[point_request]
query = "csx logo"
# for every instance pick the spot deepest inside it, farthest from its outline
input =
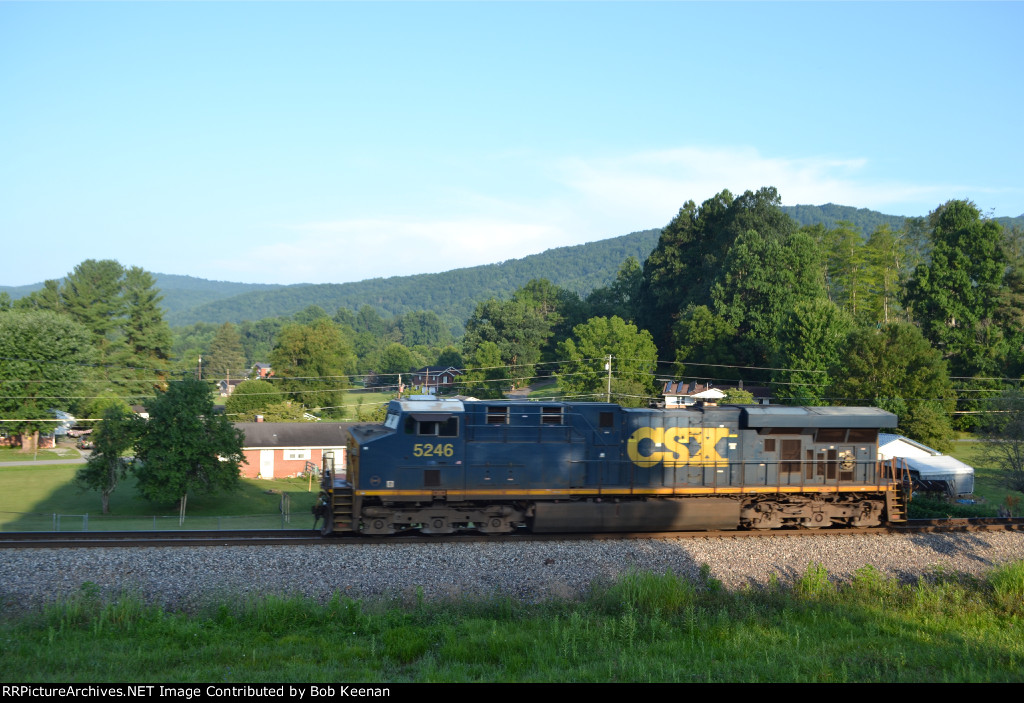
(678, 446)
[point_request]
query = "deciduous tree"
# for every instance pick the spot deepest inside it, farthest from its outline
(811, 340)
(1003, 433)
(633, 361)
(107, 466)
(44, 357)
(956, 295)
(313, 363)
(184, 447)
(895, 368)
(250, 398)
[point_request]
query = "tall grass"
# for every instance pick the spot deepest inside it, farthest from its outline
(639, 627)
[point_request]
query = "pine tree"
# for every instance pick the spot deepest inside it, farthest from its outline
(226, 359)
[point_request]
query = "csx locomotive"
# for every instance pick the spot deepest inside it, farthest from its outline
(442, 466)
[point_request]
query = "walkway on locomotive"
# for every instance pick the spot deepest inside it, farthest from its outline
(489, 450)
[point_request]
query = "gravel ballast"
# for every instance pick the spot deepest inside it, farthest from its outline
(184, 577)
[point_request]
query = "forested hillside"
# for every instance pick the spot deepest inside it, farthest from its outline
(925, 320)
(829, 214)
(452, 294)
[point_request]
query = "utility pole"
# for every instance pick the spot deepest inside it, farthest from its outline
(608, 367)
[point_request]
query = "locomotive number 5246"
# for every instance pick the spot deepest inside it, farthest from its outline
(432, 450)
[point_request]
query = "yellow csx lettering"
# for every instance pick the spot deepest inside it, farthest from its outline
(672, 445)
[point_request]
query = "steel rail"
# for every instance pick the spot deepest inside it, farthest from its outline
(215, 538)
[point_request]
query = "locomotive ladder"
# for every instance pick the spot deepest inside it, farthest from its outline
(896, 500)
(341, 509)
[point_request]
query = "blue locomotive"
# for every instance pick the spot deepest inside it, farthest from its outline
(442, 466)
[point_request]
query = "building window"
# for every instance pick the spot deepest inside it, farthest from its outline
(296, 455)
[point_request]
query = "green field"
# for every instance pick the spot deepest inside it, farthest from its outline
(62, 451)
(356, 400)
(32, 496)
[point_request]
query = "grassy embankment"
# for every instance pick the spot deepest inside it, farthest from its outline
(643, 627)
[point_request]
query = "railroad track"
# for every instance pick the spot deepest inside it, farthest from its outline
(221, 538)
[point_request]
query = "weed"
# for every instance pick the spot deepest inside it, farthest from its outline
(814, 583)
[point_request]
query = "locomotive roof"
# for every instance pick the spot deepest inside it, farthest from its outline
(430, 404)
(294, 434)
(837, 417)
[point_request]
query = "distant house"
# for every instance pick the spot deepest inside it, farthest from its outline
(227, 386)
(282, 449)
(679, 394)
(930, 469)
(262, 370)
(435, 379)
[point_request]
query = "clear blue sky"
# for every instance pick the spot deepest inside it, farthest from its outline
(335, 141)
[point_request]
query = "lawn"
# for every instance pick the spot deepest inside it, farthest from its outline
(63, 451)
(988, 484)
(32, 496)
(357, 400)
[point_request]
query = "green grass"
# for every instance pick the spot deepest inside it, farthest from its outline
(43, 455)
(351, 404)
(988, 481)
(641, 627)
(31, 495)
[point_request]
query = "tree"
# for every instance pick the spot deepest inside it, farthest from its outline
(251, 398)
(1003, 434)
(145, 332)
(633, 361)
(423, 327)
(91, 294)
(44, 357)
(285, 411)
(895, 368)
(887, 255)
(487, 376)
(845, 259)
(46, 298)
(622, 297)
(147, 338)
(762, 279)
(956, 295)
(702, 338)
(691, 252)
(184, 447)
(517, 328)
(810, 339)
(313, 363)
(310, 314)
(107, 465)
(226, 357)
(560, 309)
(395, 359)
